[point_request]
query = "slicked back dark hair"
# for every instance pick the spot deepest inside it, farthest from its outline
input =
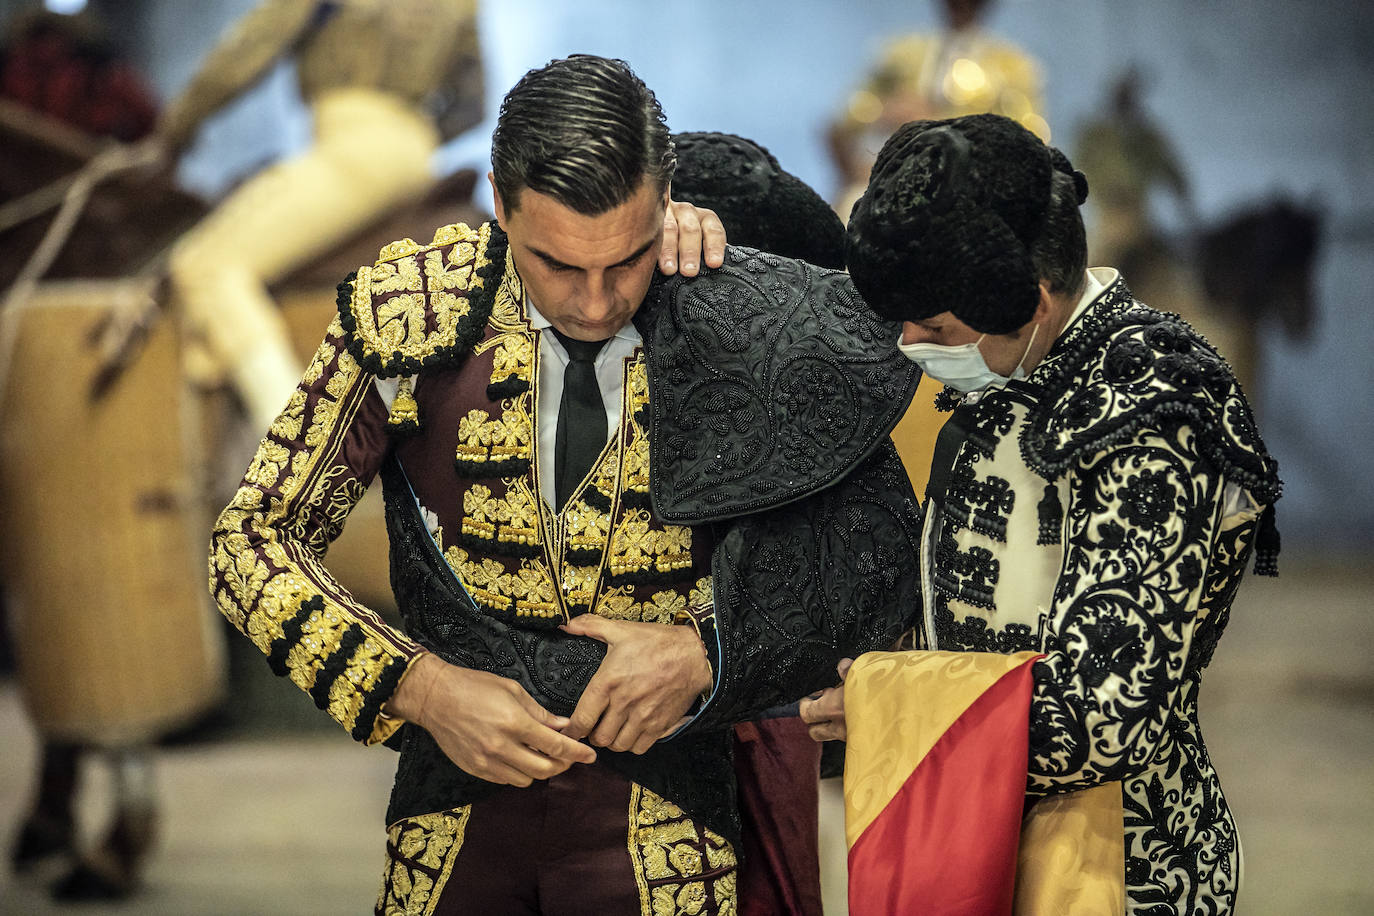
(585, 131)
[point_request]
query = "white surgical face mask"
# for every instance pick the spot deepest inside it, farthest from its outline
(961, 367)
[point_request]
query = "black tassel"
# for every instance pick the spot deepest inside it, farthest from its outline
(1267, 544)
(1051, 516)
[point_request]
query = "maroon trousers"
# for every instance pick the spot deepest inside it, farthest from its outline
(585, 842)
(777, 766)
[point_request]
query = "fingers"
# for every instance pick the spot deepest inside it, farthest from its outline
(608, 730)
(589, 710)
(825, 715)
(712, 237)
(688, 237)
(592, 625)
(544, 736)
(667, 255)
(828, 705)
(843, 668)
(828, 731)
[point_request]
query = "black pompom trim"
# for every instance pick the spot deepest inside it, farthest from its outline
(509, 387)
(334, 665)
(291, 635)
(380, 693)
(494, 547)
(636, 499)
(596, 499)
(510, 467)
(652, 576)
(583, 556)
(405, 429)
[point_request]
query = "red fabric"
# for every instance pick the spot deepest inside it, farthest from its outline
(777, 767)
(105, 98)
(947, 841)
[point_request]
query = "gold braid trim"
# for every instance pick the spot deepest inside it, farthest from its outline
(679, 867)
(420, 855)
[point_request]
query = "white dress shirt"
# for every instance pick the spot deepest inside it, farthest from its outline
(553, 362)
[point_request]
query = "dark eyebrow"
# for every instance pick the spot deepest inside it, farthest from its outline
(553, 262)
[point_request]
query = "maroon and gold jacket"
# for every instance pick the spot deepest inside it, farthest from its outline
(768, 511)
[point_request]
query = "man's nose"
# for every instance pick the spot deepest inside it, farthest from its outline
(597, 298)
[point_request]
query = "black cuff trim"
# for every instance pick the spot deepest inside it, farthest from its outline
(380, 693)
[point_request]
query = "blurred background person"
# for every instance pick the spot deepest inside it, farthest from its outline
(386, 84)
(960, 70)
(94, 692)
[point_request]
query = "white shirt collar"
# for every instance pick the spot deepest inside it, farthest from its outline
(1096, 281)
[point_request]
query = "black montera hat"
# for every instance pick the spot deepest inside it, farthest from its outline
(949, 221)
(761, 205)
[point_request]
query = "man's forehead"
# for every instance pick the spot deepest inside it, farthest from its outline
(554, 230)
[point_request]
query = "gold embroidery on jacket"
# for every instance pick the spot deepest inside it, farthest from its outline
(399, 276)
(528, 591)
(394, 299)
(507, 312)
(420, 856)
(635, 472)
(451, 271)
(638, 548)
(264, 588)
(680, 868)
(514, 357)
(512, 520)
(483, 439)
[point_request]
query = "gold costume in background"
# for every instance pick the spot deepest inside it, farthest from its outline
(960, 71)
(387, 81)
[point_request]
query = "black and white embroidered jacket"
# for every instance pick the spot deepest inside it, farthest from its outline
(1101, 511)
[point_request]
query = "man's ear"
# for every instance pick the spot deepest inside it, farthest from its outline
(496, 203)
(1045, 305)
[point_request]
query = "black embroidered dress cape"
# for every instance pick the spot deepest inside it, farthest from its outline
(750, 491)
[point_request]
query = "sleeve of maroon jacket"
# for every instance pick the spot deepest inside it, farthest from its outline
(267, 574)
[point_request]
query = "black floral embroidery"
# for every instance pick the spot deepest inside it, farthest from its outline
(756, 400)
(1147, 499)
(1153, 371)
(1138, 424)
(1114, 648)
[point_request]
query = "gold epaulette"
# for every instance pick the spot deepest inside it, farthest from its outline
(420, 306)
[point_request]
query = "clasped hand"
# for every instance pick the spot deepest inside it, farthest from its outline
(648, 680)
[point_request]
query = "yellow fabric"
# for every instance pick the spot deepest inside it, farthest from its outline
(371, 153)
(1073, 855)
(897, 705)
(916, 433)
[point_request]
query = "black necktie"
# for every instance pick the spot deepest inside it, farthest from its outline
(581, 418)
